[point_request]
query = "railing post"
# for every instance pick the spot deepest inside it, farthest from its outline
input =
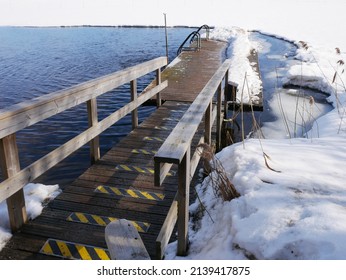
(183, 203)
(208, 124)
(9, 161)
(225, 109)
(218, 118)
(158, 81)
(134, 98)
(93, 120)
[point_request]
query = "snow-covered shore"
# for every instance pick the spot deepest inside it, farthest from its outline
(293, 196)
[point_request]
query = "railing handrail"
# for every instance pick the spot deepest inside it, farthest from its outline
(177, 150)
(192, 34)
(27, 113)
(207, 29)
(172, 151)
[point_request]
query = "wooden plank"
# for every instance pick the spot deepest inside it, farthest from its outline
(30, 112)
(92, 121)
(9, 162)
(124, 242)
(161, 171)
(134, 98)
(167, 229)
(175, 146)
(18, 181)
(158, 81)
(208, 123)
(219, 116)
(183, 204)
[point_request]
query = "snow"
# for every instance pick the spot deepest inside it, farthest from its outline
(293, 195)
(36, 196)
(242, 71)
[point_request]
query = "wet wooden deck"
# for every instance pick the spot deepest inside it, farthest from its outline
(121, 184)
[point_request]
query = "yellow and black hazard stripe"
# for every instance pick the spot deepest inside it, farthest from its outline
(130, 193)
(70, 250)
(157, 139)
(171, 119)
(162, 128)
(86, 218)
(142, 151)
(144, 170)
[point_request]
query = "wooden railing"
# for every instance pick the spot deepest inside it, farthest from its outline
(22, 115)
(177, 150)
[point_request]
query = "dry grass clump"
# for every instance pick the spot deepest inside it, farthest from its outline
(219, 180)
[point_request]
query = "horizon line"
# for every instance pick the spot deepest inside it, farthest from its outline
(103, 26)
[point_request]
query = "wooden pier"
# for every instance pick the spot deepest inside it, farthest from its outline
(144, 179)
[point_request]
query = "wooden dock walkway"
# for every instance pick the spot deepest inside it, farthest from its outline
(120, 184)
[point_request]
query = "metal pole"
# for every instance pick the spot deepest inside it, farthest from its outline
(166, 37)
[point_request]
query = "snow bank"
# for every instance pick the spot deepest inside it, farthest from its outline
(242, 71)
(36, 196)
(296, 213)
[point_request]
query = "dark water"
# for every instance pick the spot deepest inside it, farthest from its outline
(37, 61)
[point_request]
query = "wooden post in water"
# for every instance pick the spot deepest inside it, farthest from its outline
(183, 203)
(9, 160)
(158, 81)
(92, 121)
(134, 98)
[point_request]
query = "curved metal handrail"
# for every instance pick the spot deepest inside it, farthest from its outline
(207, 30)
(193, 34)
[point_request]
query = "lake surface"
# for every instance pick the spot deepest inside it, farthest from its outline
(37, 61)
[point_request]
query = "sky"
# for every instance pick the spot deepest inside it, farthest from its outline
(304, 19)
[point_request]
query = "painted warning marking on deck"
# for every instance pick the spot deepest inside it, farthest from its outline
(171, 119)
(70, 250)
(130, 193)
(162, 128)
(138, 169)
(157, 139)
(86, 218)
(142, 151)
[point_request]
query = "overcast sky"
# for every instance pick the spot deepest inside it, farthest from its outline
(270, 15)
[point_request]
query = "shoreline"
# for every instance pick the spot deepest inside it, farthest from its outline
(101, 26)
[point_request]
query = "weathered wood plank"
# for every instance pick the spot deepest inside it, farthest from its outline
(92, 121)
(124, 242)
(167, 229)
(175, 146)
(9, 162)
(183, 204)
(134, 98)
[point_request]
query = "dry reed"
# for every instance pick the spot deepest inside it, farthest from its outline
(220, 183)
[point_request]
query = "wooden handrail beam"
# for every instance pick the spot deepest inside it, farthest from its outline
(174, 148)
(29, 112)
(26, 175)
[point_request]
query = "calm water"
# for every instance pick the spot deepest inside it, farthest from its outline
(37, 61)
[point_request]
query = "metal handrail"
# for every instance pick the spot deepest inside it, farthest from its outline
(193, 35)
(207, 29)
